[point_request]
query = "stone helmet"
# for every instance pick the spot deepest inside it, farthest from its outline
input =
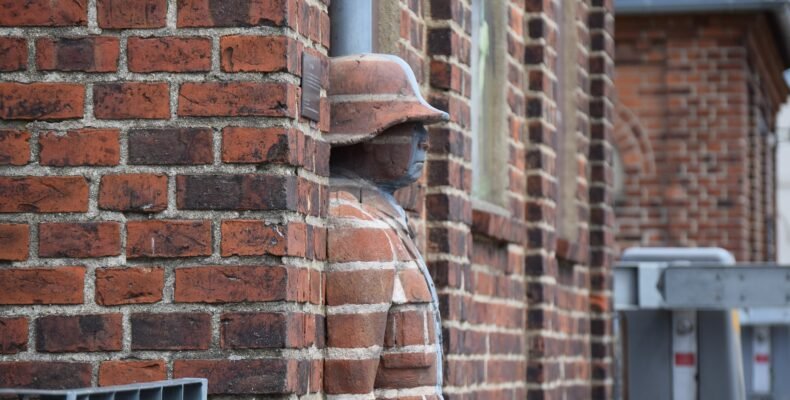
(370, 93)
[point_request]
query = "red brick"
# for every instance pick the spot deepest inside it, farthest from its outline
(258, 54)
(137, 285)
(231, 284)
(407, 370)
(87, 54)
(14, 147)
(414, 286)
(44, 194)
(244, 376)
(79, 333)
(356, 330)
(131, 100)
(13, 335)
(207, 13)
(256, 145)
(121, 372)
(237, 99)
(171, 146)
(94, 147)
(256, 238)
(13, 54)
(62, 285)
(405, 328)
(41, 101)
(14, 242)
(133, 193)
(171, 331)
(43, 12)
(169, 54)
(79, 240)
(349, 376)
(363, 244)
(120, 14)
(372, 286)
(168, 238)
(45, 374)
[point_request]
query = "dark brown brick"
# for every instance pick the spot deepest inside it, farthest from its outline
(171, 331)
(240, 376)
(88, 54)
(45, 374)
(79, 240)
(168, 238)
(235, 192)
(255, 331)
(80, 333)
(176, 146)
(230, 13)
(43, 12)
(120, 14)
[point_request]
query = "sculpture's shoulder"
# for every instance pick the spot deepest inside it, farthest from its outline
(363, 231)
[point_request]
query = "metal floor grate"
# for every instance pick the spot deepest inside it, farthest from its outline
(176, 389)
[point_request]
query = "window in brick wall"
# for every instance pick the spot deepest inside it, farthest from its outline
(567, 91)
(489, 103)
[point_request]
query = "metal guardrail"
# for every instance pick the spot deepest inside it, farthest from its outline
(176, 389)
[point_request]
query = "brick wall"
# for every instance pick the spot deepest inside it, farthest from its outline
(168, 201)
(162, 199)
(697, 95)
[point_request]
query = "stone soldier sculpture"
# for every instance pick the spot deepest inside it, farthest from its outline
(383, 326)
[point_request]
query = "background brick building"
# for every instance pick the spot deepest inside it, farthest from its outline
(163, 200)
(698, 90)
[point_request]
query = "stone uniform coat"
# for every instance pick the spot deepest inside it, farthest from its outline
(382, 318)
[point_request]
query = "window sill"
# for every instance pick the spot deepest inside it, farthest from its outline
(496, 222)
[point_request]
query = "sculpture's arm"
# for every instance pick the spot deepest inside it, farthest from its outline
(359, 282)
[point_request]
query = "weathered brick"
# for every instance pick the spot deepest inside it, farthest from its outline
(235, 192)
(349, 376)
(231, 284)
(372, 286)
(41, 101)
(174, 146)
(14, 147)
(79, 333)
(13, 54)
(13, 335)
(137, 285)
(171, 331)
(237, 99)
(87, 54)
(131, 100)
(93, 147)
(79, 239)
(241, 376)
(14, 242)
(168, 238)
(256, 238)
(363, 244)
(62, 285)
(258, 54)
(44, 194)
(133, 193)
(260, 145)
(398, 371)
(256, 331)
(45, 374)
(169, 54)
(43, 12)
(208, 13)
(120, 14)
(356, 330)
(122, 372)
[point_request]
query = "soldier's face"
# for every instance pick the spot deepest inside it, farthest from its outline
(399, 154)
